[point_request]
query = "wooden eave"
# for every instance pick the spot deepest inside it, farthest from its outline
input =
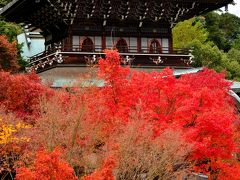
(53, 15)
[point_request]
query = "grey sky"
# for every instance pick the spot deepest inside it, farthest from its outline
(235, 9)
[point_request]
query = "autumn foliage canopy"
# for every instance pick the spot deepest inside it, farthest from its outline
(139, 124)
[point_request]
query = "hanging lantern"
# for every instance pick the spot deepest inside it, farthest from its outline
(43, 64)
(50, 62)
(36, 68)
(60, 59)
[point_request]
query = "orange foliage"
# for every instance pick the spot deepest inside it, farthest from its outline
(228, 170)
(47, 166)
(12, 143)
(104, 173)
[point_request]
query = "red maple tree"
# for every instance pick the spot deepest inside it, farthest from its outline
(21, 94)
(8, 55)
(198, 105)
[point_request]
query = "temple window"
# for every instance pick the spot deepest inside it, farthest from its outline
(87, 45)
(155, 47)
(122, 46)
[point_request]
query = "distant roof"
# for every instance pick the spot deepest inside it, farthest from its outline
(63, 76)
(236, 86)
(76, 76)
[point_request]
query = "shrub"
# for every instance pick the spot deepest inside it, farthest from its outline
(47, 166)
(21, 94)
(12, 143)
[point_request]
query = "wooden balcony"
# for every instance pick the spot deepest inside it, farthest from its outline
(132, 56)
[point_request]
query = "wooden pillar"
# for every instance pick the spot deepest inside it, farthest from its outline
(139, 43)
(67, 42)
(103, 41)
(170, 42)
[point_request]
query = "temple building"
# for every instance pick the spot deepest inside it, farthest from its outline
(76, 32)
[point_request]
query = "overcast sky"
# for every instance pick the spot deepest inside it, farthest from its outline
(235, 9)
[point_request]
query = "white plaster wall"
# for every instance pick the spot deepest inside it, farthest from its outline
(133, 44)
(98, 43)
(144, 44)
(165, 45)
(115, 39)
(109, 42)
(75, 43)
(36, 46)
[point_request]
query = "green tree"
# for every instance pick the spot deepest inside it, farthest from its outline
(184, 33)
(11, 30)
(223, 29)
(234, 54)
(193, 34)
(207, 55)
(236, 44)
(4, 2)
